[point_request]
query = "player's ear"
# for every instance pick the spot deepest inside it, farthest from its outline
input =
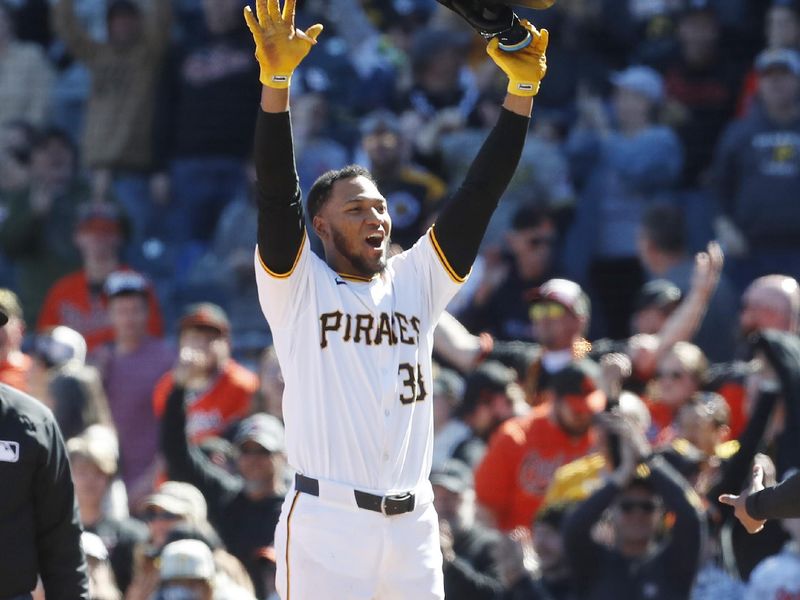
(320, 226)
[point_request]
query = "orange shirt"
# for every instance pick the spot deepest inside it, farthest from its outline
(522, 458)
(69, 303)
(14, 371)
(209, 413)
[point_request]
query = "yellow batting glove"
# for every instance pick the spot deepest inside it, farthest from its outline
(525, 68)
(279, 46)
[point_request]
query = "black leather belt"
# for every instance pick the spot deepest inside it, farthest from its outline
(396, 504)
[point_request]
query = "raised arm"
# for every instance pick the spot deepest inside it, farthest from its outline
(72, 32)
(462, 223)
(280, 48)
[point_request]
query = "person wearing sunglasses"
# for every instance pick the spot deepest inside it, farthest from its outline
(679, 375)
(500, 304)
(639, 564)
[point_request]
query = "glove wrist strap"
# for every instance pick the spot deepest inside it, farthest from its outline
(517, 87)
(278, 81)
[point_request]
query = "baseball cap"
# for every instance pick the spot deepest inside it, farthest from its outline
(186, 559)
(179, 498)
(658, 293)
(490, 376)
(97, 446)
(122, 7)
(9, 306)
(205, 314)
(642, 80)
(790, 4)
(579, 378)
(453, 475)
(565, 292)
(93, 546)
(780, 58)
(263, 429)
(59, 346)
(450, 384)
(691, 7)
(101, 217)
(120, 283)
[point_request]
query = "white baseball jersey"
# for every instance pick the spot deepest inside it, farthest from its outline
(356, 358)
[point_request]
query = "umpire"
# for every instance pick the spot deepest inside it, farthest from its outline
(39, 526)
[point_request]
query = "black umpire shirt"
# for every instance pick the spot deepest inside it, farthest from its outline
(39, 525)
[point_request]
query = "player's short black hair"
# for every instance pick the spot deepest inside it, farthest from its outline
(664, 225)
(321, 190)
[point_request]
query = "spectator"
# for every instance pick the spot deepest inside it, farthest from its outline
(620, 170)
(214, 74)
(39, 523)
(187, 570)
(225, 272)
(501, 303)
(173, 503)
(701, 83)
(412, 193)
(117, 138)
(770, 302)
(680, 374)
(525, 452)
(487, 402)
(219, 389)
(315, 147)
(468, 548)
(14, 364)
(94, 463)
(756, 168)
(38, 231)
(446, 395)
(655, 302)
(663, 253)
(72, 389)
(244, 507)
(782, 31)
(554, 579)
(638, 564)
(102, 585)
(77, 300)
(130, 366)
(26, 75)
(560, 315)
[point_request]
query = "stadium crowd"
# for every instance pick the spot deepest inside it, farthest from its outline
(625, 350)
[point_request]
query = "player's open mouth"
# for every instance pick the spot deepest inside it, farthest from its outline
(375, 240)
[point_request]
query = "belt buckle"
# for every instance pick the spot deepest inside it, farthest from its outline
(385, 509)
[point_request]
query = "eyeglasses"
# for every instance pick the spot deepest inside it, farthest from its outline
(673, 375)
(152, 514)
(547, 310)
(628, 506)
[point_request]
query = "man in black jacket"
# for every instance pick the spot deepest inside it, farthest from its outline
(244, 507)
(39, 526)
(639, 566)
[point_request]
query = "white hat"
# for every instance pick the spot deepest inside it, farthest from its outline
(181, 499)
(187, 559)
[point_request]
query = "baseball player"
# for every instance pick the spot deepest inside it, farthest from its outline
(353, 335)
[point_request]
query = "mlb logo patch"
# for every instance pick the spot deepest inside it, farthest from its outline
(9, 451)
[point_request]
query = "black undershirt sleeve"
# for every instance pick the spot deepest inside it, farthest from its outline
(779, 502)
(462, 222)
(280, 209)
